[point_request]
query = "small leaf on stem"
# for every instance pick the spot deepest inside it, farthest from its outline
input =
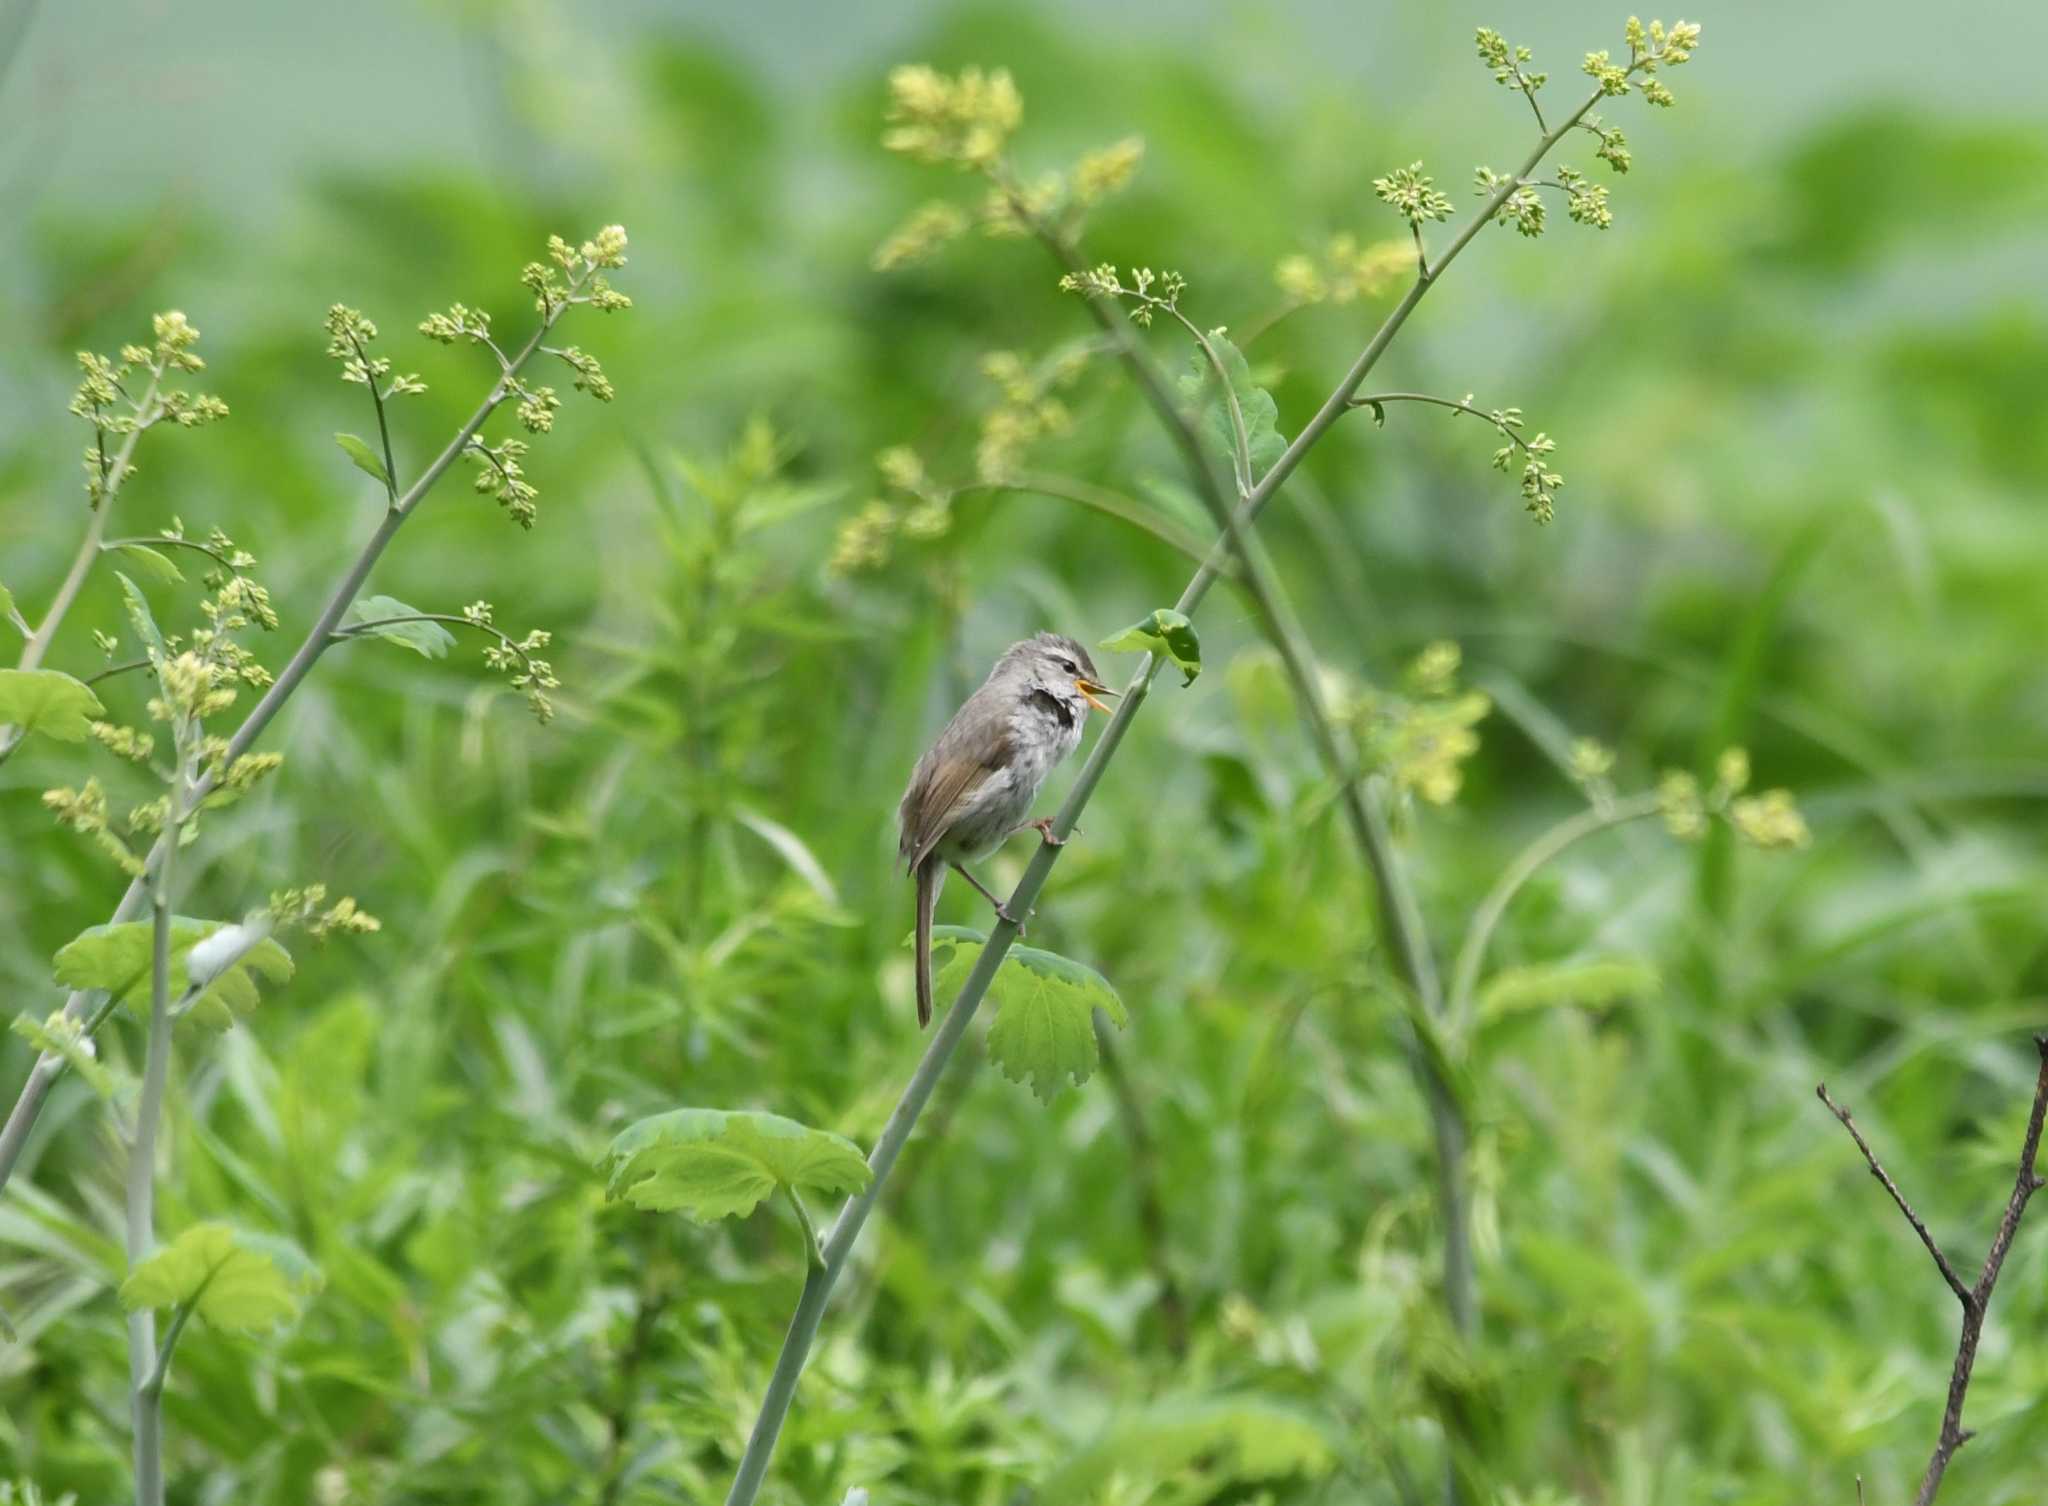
(364, 457)
(429, 640)
(1165, 632)
(718, 1163)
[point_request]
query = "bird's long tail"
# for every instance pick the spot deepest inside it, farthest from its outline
(930, 874)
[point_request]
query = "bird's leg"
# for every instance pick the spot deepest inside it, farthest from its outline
(1043, 826)
(983, 889)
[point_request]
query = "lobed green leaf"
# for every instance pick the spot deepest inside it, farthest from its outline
(1044, 1030)
(720, 1163)
(116, 959)
(237, 1280)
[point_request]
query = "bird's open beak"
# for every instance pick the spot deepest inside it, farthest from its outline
(1090, 689)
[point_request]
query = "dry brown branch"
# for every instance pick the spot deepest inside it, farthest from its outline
(1975, 1299)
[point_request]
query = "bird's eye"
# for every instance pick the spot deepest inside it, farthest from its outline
(1069, 667)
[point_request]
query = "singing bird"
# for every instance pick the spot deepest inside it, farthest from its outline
(973, 788)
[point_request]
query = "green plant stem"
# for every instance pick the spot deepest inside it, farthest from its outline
(153, 1387)
(1527, 864)
(1399, 917)
(813, 1256)
(1375, 399)
(1098, 499)
(145, 1401)
(819, 1280)
(49, 1066)
(453, 619)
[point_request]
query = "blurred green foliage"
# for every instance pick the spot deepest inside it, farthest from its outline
(1795, 391)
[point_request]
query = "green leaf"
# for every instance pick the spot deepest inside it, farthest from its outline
(47, 701)
(145, 623)
(364, 457)
(1044, 1031)
(239, 1281)
(61, 1033)
(117, 959)
(1165, 632)
(1585, 984)
(7, 608)
(427, 639)
(1261, 413)
(157, 563)
(719, 1163)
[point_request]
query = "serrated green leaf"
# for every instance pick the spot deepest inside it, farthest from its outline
(140, 615)
(1044, 1030)
(1585, 984)
(1165, 632)
(429, 640)
(157, 563)
(365, 458)
(238, 1281)
(47, 701)
(117, 959)
(60, 1033)
(720, 1163)
(1261, 414)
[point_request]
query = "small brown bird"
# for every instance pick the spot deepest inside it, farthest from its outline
(972, 789)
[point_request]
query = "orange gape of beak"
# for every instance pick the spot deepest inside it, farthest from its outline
(1090, 690)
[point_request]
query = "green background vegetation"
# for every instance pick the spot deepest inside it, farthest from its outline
(1797, 391)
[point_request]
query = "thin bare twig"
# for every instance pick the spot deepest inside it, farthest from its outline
(1975, 1299)
(1948, 1272)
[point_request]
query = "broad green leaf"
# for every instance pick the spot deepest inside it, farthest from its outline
(1165, 632)
(1223, 1441)
(61, 1033)
(365, 458)
(239, 1281)
(719, 1163)
(1261, 413)
(145, 622)
(155, 562)
(47, 701)
(1586, 984)
(427, 639)
(117, 959)
(1044, 1030)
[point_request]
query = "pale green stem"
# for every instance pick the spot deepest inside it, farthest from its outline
(144, 1402)
(819, 1281)
(813, 1255)
(1097, 499)
(153, 1387)
(1527, 864)
(50, 1065)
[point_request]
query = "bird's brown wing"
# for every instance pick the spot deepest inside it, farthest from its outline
(945, 779)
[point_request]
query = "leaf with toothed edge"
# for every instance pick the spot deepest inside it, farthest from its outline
(236, 1280)
(1044, 1030)
(719, 1163)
